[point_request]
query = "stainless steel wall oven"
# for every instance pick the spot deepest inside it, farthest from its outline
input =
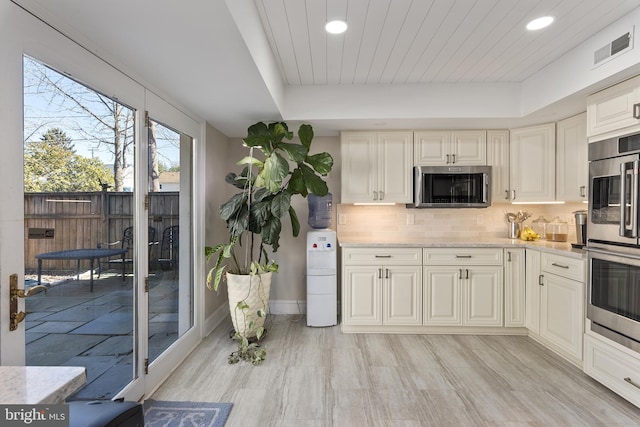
(613, 242)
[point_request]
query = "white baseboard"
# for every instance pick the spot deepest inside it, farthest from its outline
(287, 307)
(211, 322)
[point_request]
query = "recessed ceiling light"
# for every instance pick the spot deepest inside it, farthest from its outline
(539, 23)
(336, 27)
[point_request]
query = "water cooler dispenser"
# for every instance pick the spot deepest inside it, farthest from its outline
(322, 281)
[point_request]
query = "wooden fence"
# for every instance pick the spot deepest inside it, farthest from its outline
(86, 220)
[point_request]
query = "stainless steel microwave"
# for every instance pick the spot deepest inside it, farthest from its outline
(451, 187)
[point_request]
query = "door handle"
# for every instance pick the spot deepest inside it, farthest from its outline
(460, 274)
(381, 195)
(540, 280)
(453, 157)
(583, 191)
(448, 158)
(375, 195)
(508, 256)
(636, 111)
(506, 194)
(466, 273)
(513, 194)
(16, 317)
(386, 273)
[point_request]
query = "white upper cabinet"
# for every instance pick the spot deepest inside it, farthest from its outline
(532, 163)
(498, 159)
(443, 147)
(615, 110)
(572, 167)
(377, 167)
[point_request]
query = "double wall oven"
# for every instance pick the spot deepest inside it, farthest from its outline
(613, 239)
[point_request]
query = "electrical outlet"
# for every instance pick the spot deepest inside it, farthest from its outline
(342, 219)
(411, 219)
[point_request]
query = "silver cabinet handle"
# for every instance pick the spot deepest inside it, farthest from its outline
(383, 256)
(463, 256)
(386, 273)
(513, 194)
(506, 194)
(508, 256)
(466, 271)
(560, 265)
(379, 273)
(540, 280)
(629, 380)
(460, 274)
(381, 195)
(583, 191)
(453, 157)
(636, 111)
(375, 195)
(448, 159)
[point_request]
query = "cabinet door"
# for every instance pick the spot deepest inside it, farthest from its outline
(483, 296)
(431, 148)
(402, 295)
(359, 178)
(532, 289)
(498, 159)
(469, 147)
(612, 109)
(562, 313)
(442, 301)
(514, 288)
(533, 170)
(362, 295)
(572, 167)
(395, 167)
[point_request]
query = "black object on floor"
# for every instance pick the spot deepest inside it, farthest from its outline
(105, 413)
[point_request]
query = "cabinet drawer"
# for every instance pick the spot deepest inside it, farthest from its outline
(462, 256)
(571, 268)
(613, 367)
(381, 256)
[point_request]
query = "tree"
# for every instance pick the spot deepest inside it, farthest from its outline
(51, 165)
(100, 119)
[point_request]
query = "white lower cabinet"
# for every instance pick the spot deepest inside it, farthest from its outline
(555, 304)
(614, 366)
(458, 291)
(381, 286)
(514, 287)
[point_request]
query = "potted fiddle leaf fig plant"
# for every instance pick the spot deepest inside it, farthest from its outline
(284, 168)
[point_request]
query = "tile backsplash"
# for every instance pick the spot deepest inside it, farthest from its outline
(389, 223)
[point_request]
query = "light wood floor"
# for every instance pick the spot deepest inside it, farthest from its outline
(322, 377)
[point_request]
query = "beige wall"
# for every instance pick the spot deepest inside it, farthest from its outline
(215, 231)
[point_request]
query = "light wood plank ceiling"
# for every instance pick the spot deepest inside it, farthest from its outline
(426, 41)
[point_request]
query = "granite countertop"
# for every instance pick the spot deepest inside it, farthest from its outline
(560, 248)
(33, 385)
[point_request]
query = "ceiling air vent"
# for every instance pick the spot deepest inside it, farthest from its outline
(619, 45)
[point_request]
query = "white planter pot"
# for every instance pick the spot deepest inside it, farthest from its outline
(252, 290)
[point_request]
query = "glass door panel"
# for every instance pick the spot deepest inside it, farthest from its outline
(79, 222)
(170, 298)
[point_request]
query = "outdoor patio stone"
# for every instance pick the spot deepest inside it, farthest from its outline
(114, 378)
(31, 337)
(83, 312)
(108, 324)
(56, 327)
(96, 365)
(164, 318)
(112, 346)
(55, 349)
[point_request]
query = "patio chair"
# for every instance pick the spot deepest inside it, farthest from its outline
(126, 243)
(169, 247)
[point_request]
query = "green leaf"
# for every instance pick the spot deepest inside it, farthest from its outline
(296, 152)
(249, 160)
(261, 313)
(305, 133)
(321, 162)
(280, 204)
(276, 168)
(314, 183)
(232, 206)
(279, 131)
(242, 305)
(296, 183)
(271, 233)
(295, 223)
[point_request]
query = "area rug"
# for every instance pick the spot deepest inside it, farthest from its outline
(158, 413)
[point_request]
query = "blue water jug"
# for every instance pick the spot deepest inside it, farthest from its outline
(320, 210)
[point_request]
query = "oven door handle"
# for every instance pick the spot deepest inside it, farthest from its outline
(629, 223)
